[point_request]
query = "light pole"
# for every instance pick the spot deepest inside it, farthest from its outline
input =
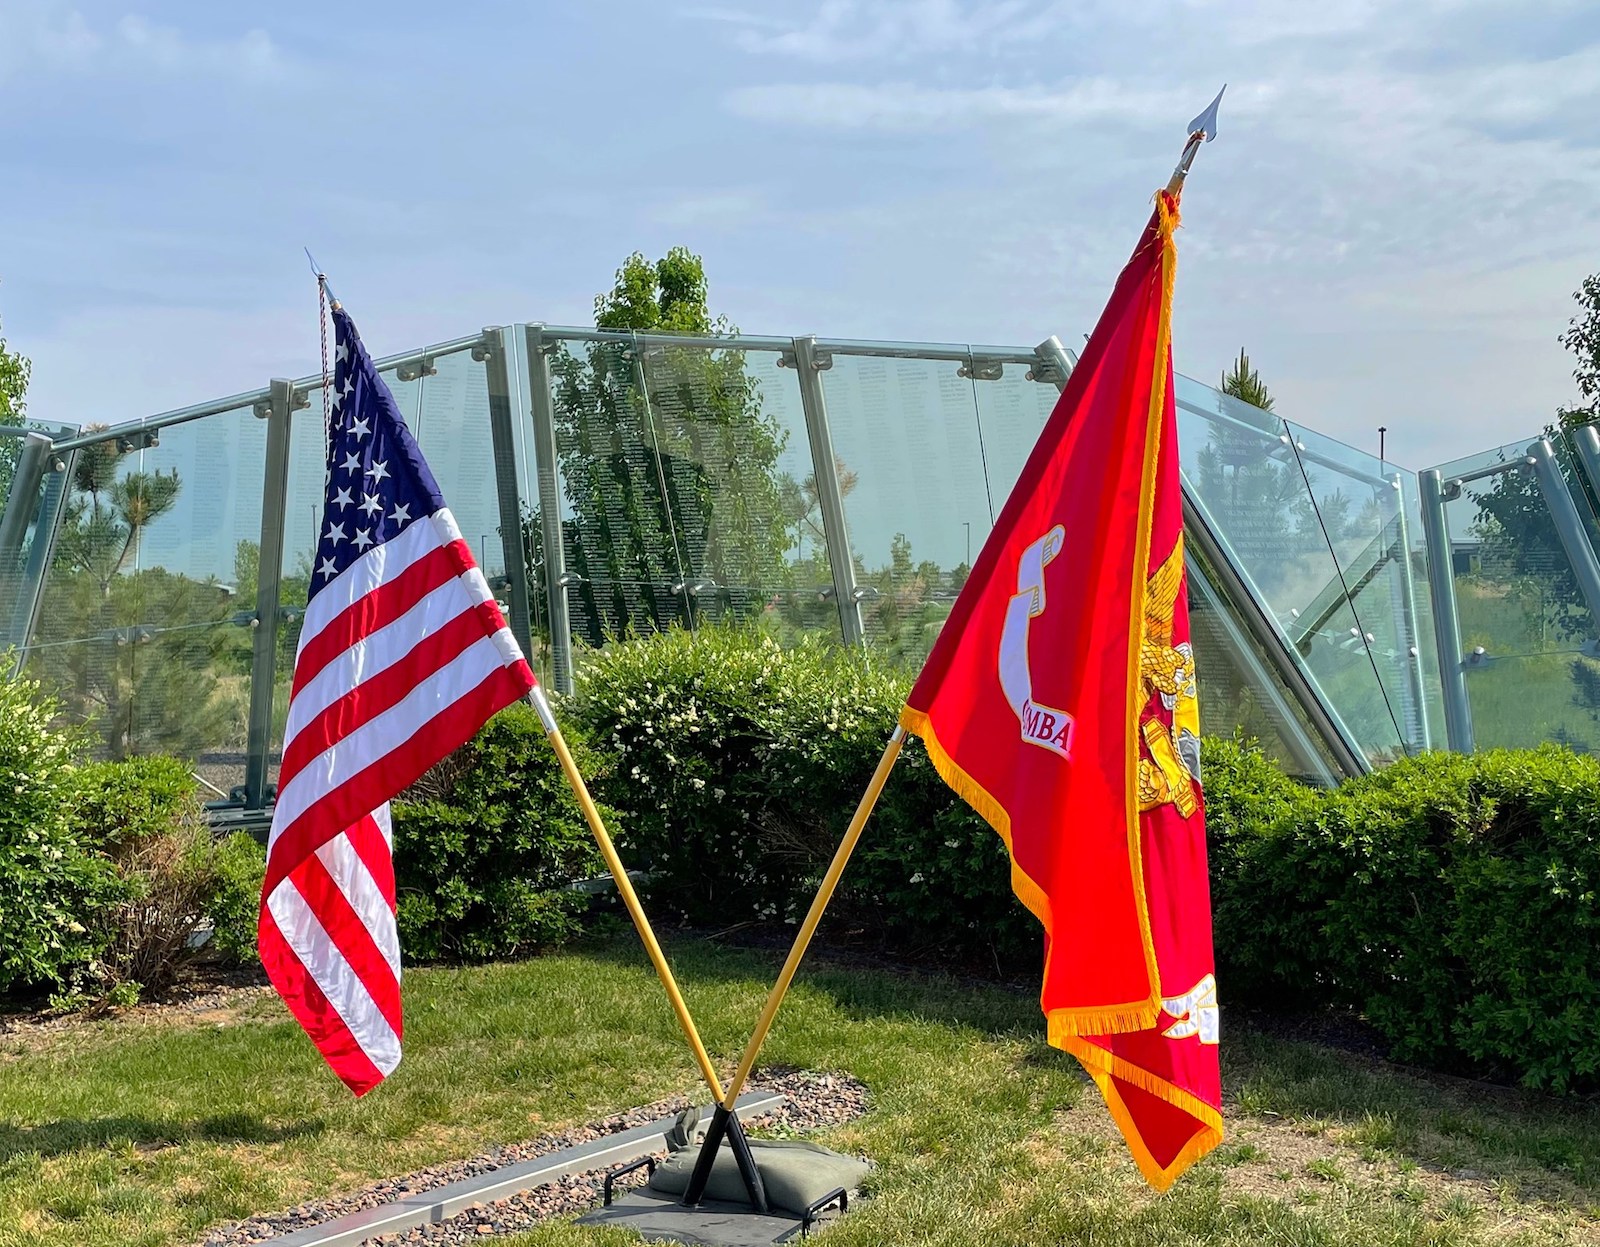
(967, 524)
(1382, 429)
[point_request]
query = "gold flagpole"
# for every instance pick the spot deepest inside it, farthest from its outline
(630, 898)
(802, 939)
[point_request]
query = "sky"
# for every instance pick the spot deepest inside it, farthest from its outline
(1399, 204)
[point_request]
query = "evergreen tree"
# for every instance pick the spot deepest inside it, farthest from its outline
(1244, 383)
(135, 653)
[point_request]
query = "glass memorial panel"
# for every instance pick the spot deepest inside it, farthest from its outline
(1526, 632)
(1240, 692)
(916, 499)
(1012, 411)
(1369, 515)
(728, 440)
(1240, 468)
(144, 630)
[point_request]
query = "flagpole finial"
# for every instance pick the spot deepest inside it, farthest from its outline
(322, 280)
(1201, 130)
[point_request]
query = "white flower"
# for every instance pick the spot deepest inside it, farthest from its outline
(917, 878)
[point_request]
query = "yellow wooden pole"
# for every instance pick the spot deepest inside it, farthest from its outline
(802, 939)
(630, 898)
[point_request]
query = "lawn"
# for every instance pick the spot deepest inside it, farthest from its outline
(150, 1129)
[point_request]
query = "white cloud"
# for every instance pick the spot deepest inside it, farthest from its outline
(40, 37)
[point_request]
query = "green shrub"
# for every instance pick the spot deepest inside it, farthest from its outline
(1450, 899)
(1248, 801)
(144, 815)
(50, 884)
(240, 866)
(738, 765)
(485, 844)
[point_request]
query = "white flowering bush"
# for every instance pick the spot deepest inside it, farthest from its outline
(737, 765)
(50, 882)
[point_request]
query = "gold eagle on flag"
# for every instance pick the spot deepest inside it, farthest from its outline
(1167, 670)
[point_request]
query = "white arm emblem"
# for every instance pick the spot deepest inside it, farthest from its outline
(1196, 1012)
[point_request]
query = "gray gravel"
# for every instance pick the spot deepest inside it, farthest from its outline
(814, 1100)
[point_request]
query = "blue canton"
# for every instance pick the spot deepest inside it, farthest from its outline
(378, 483)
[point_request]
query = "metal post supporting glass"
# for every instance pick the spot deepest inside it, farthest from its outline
(492, 353)
(1055, 362)
(1248, 603)
(41, 554)
(1404, 608)
(542, 413)
(1446, 620)
(278, 410)
(21, 505)
(1586, 442)
(810, 363)
(1569, 527)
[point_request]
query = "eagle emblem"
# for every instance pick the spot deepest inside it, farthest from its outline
(1166, 670)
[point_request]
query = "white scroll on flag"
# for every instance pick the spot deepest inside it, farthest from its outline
(403, 656)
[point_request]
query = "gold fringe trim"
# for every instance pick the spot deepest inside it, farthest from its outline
(989, 809)
(1103, 1066)
(1065, 1024)
(1167, 222)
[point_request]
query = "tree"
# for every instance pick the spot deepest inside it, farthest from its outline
(670, 463)
(1245, 384)
(1582, 338)
(15, 371)
(1520, 552)
(136, 654)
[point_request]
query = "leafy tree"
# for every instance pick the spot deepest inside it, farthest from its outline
(1582, 338)
(670, 463)
(14, 373)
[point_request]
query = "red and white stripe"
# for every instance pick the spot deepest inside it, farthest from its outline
(403, 657)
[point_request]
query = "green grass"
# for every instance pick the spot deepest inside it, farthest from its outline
(149, 1132)
(1526, 695)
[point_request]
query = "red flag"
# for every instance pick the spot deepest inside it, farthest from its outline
(1059, 702)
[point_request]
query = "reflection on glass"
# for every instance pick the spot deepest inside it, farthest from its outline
(1249, 474)
(1526, 632)
(688, 488)
(144, 629)
(1012, 411)
(1367, 512)
(1239, 691)
(916, 499)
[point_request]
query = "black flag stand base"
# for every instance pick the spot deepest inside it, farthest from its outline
(725, 1122)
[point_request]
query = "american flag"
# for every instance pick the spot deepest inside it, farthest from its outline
(403, 656)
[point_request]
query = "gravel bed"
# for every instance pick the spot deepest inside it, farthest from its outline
(814, 1100)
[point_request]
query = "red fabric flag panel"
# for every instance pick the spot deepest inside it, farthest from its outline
(1059, 701)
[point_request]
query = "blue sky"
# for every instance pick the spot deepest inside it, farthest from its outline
(1401, 201)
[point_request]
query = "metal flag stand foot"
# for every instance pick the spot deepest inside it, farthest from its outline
(726, 1118)
(708, 1071)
